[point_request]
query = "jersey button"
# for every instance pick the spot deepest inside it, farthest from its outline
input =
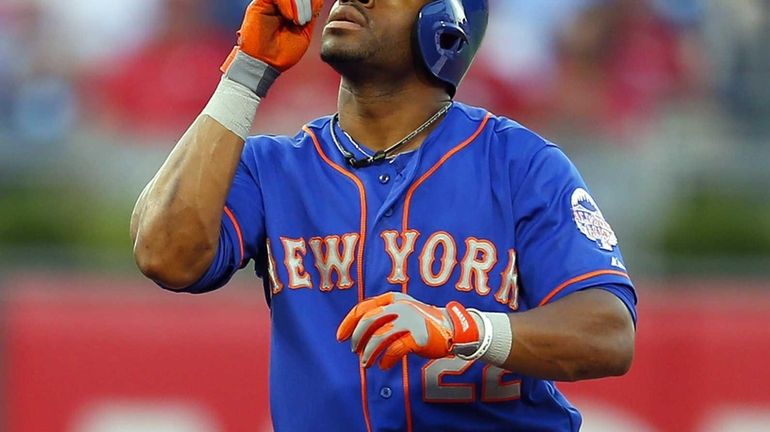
(389, 212)
(384, 178)
(386, 392)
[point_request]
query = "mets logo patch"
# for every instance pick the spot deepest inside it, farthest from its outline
(590, 221)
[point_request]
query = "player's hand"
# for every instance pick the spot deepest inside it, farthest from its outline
(276, 32)
(395, 324)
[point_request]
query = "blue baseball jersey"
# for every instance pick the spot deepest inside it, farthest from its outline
(485, 212)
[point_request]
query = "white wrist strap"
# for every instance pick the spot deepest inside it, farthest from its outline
(243, 85)
(234, 106)
(502, 339)
(496, 338)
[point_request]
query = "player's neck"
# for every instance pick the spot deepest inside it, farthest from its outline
(378, 117)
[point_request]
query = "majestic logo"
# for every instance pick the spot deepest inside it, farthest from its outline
(590, 221)
(615, 262)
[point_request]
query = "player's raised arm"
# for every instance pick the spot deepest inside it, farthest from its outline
(176, 221)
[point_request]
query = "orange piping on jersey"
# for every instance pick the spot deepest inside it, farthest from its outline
(577, 279)
(435, 167)
(405, 227)
(237, 232)
(360, 254)
(407, 402)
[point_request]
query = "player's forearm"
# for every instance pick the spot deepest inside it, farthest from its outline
(585, 335)
(175, 223)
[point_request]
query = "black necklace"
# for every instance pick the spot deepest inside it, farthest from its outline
(381, 155)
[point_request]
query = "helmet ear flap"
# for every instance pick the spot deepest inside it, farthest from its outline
(448, 34)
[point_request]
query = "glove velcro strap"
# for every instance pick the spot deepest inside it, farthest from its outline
(474, 351)
(252, 73)
(464, 326)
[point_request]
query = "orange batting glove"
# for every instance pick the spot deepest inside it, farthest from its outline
(395, 324)
(273, 37)
(276, 32)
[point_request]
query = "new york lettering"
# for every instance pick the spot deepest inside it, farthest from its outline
(438, 260)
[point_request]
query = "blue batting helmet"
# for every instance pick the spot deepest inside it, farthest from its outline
(449, 32)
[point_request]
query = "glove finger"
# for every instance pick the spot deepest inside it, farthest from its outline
(368, 325)
(317, 5)
(430, 332)
(300, 12)
(402, 313)
(379, 342)
(413, 317)
(304, 11)
(315, 10)
(349, 323)
(396, 351)
(287, 9)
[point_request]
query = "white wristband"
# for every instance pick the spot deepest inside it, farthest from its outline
(234, 106)
(496, 338)
(243, 85)
(502, 339)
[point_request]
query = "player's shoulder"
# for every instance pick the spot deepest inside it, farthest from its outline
(506, 136)
(268, 145)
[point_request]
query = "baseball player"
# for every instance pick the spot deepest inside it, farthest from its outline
(458, 255)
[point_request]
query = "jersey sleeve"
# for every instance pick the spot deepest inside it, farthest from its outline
(242, 232)
(563, 242)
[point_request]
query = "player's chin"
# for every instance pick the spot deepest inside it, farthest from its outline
(341, 37)
(335, 51)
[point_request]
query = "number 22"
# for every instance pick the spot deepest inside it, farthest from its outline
(493, 389)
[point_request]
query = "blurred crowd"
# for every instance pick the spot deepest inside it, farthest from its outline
(147, 66)
(663, 84)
